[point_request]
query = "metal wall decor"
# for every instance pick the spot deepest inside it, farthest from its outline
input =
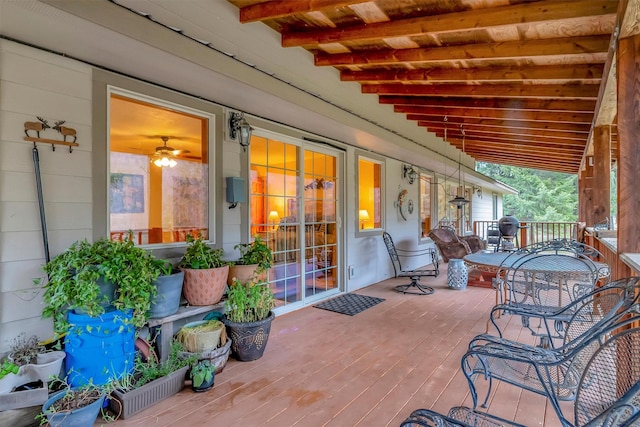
(42, 125)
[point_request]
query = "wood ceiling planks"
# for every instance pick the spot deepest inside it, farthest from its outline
(521, 77)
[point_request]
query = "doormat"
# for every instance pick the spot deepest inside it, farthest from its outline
(349, 304)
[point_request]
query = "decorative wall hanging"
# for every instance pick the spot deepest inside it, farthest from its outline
(400, 203)
(410, 207)
(42, 125)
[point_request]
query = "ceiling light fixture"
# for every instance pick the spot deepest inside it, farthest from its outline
(165, 161)
(238, 127)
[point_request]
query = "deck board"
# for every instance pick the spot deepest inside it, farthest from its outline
(326, 369)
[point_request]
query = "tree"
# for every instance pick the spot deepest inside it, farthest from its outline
(543, 196)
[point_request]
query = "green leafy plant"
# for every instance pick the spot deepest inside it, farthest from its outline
(145, 371)
(256, 252)
(202, 372)
(248, 302)
(200, 256)
(75, 277)
(8, 368)
(24, 351)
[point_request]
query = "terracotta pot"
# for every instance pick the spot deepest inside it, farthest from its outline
(245, 273)
(206, 286)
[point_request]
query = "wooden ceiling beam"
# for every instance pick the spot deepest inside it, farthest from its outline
(527, 49)
(497, 132)
(580, 91)
(283, 8)
(539, 165)
(572, 145)
(551, 117)
(476, 19)
(471, 142)
(493, 103)
(575, 73)
(521, 154)
(496, 123)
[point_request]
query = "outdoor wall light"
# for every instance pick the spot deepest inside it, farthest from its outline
(477, 190)
(409, 173)
(238, 127)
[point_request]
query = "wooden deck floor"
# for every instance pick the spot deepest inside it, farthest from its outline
(326, 369)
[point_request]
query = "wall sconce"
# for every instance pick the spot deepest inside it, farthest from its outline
(409, 173)
(239, 127)
(477, 190)
(363, 216)
(274, 220)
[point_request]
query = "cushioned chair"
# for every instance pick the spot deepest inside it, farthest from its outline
(452, 246)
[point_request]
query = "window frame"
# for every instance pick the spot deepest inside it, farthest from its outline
(182, 104)
(432, 202)
(381, 161)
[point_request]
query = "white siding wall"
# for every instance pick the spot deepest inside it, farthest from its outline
(35, 83)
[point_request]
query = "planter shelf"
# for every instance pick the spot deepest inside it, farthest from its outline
(134, 401)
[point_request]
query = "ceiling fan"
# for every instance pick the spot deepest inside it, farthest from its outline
(164, 154)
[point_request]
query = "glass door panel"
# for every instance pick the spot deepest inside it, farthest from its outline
(298, 221)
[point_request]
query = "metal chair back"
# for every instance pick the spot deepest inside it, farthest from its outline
(414, 286)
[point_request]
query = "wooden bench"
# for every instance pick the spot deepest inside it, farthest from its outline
(162, 329)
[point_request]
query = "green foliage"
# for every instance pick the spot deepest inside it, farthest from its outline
(8, 368)
(146, 371)
(543, 196)
(202, 372)
(256, 252)
(248, 302)
(73, 280)
(200, 256)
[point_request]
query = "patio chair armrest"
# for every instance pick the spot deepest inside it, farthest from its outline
(482, 340)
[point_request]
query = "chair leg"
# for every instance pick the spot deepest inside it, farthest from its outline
(414, 288)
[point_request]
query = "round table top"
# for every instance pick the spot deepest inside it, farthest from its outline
(489, 259)
(538, 261)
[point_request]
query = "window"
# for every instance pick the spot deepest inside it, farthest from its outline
(158, 170)
(369, 215)
(425, 204)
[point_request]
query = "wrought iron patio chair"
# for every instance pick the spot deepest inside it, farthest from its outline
(543, 283)
(413, 287)
(576, 248)
(602, 303)
(554, 373)
(607, 392)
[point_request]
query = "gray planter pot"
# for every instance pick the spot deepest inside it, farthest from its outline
(167, 300)
(131, 402)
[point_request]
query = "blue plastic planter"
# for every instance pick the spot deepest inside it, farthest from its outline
(99, 348)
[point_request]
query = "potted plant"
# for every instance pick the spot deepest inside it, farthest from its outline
(89, 278)
(35, 361)
(99, 340)
(205, 272)
(248, 318)
(168, 286)
(150, 382)
(73, 407)
(255, 260)
(202, 376)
